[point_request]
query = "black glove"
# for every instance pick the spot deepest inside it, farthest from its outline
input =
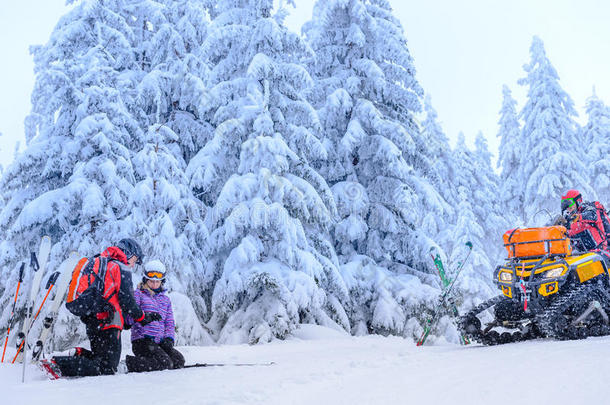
(166, 343)
(150, 317)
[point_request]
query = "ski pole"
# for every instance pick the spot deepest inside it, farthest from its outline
(49, 287)
(61, 285)
(12, 318)
(50, 283)
(19, 348)
(24, 335)
(25, 355)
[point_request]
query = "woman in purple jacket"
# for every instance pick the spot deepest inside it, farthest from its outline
(153, 344)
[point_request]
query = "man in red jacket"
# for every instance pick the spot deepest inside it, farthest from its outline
(104, 328)
(588, 224)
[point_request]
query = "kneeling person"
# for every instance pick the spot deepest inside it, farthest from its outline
(104, 328)
(153, 344)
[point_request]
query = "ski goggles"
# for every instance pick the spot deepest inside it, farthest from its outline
(567, 203)
(154, 275)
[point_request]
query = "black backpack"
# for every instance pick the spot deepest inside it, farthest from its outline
(591, 212)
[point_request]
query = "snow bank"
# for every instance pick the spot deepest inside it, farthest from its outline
(319, 366)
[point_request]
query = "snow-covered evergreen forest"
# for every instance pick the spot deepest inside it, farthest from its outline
(283, 178)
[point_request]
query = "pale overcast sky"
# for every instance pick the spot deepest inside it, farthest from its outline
(464, 52)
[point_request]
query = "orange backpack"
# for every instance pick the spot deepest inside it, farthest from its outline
(86, 288)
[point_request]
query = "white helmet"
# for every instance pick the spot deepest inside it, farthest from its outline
(154, 270)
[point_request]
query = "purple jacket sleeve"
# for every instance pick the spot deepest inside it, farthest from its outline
(169, 321)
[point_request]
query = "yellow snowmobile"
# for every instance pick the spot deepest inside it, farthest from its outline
(550, 288)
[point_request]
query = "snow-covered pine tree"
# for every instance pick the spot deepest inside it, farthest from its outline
(596, 134)
(487, 204)
(271, 263)
(379, 165)
(474, 203)
(367, 94)
(382, 301)
(551, 163)
(443, 169)
(474, 283)
(168, 221)
(511, 152)
(170, 87)
(228, 56)
(75, 176)
(164, 213)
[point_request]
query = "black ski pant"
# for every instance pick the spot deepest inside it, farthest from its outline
(102, 359)
(150, 356)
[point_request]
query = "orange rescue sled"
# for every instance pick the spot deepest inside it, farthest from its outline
(535, 242)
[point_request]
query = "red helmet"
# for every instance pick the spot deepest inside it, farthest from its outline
(571, 197)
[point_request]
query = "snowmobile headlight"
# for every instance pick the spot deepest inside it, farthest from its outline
(557, 272)
(506, 276)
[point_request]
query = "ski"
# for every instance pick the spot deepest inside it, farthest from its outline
(12, 318)
(444, 299)
(61, 285)
(23, 343)
(54, 373)
(38, 265)
(270, 363)
(447, 284)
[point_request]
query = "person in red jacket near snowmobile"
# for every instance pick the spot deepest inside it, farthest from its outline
(587, 223)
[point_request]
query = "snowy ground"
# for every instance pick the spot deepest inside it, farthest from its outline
(319, 366)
